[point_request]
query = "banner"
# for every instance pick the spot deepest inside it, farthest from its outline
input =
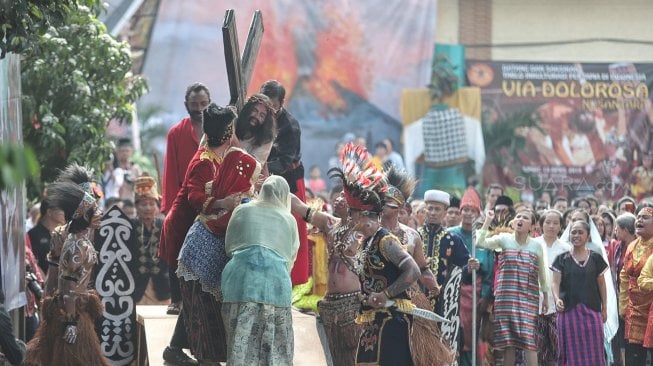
(571, 128)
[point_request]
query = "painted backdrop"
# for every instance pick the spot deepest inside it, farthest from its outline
(343, 62)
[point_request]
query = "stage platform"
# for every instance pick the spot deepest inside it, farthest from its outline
(155, 328)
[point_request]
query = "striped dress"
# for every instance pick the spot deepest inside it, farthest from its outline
(522, 274)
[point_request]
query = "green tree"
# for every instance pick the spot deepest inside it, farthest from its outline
(74, 82)
(17, 164)
(22, 22)
(152, 132)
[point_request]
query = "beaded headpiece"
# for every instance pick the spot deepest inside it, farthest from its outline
(400, 186)
(92, 189)
(85, 204)
(145, 187)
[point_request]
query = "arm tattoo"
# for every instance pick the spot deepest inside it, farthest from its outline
(392, 249)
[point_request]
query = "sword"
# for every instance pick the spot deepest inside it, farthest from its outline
(422, 313)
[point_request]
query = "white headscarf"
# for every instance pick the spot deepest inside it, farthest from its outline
(265, 221)
(274, 193)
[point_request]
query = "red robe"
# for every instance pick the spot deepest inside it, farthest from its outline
(181, 146)
(191, 200)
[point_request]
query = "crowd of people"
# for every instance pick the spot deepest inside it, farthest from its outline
(410, 280)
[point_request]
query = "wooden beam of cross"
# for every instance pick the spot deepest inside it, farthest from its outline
(239, 71)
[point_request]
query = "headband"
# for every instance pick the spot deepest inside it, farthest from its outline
(86, 204)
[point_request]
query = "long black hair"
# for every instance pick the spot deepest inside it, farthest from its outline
(218, 124)
(263, 133)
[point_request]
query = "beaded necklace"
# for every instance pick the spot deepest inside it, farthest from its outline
(361, 256)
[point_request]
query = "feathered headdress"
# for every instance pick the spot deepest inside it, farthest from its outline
(364, 184)
(401, 185)
(81, 176)
(73, 200)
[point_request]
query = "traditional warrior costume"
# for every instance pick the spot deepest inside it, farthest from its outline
(426, 341)
(67, 334)
(386, 330)
(83, 177)
(338, 311)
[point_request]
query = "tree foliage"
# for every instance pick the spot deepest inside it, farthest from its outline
(18, 163)
(22, 22)
(74, 82)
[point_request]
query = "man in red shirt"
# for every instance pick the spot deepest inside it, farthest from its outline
(182, 143)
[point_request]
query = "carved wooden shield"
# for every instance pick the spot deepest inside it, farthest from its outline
(450, 299)
(114, 283)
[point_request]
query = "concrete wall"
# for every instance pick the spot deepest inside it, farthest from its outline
(525, 21)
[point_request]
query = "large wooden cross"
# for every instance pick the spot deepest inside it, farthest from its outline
(239, 71)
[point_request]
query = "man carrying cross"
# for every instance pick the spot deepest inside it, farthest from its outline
(285, 160)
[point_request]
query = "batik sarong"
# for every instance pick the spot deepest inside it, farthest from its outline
(258, 334)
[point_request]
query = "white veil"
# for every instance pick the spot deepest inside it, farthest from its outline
(611, 326)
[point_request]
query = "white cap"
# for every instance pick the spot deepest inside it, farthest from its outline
(435, 195)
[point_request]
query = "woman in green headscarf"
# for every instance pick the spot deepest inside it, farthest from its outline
(262, 242)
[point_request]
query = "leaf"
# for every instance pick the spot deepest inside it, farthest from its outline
(75, 80)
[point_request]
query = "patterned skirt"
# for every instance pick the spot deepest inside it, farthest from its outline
(337, 313)
(517, 300)
(547, 338)
(258, 334)
(204, 325)
(385, 340)
(203, 258)
(580, 348)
